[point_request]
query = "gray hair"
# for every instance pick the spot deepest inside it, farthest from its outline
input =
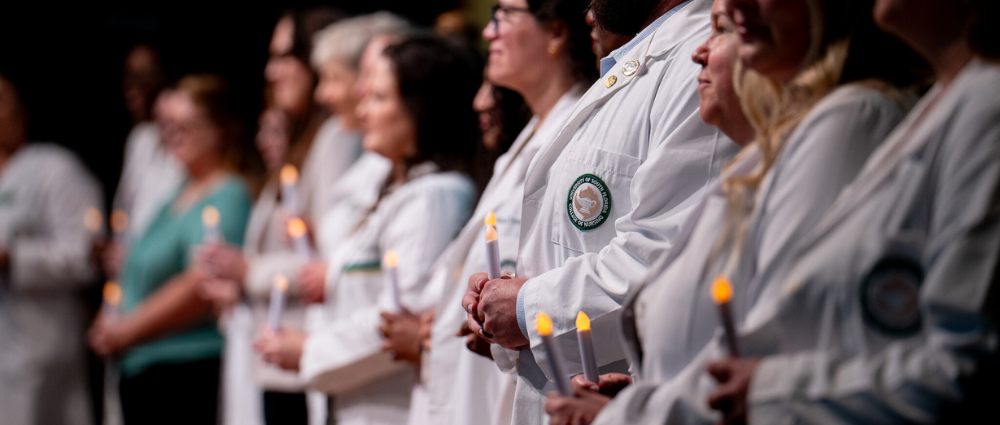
(346, 40)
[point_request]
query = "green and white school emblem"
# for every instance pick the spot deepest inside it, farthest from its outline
(588, 202)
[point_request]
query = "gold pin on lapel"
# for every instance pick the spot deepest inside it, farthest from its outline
(610, 81)
(630, 67)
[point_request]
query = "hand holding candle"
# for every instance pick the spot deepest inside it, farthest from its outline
(722, 292)
(492, 247)
(391, 261)
(210, 219)
(274, 310)
(586, 341)
(289, 176)
(544, 326)
(297, 231)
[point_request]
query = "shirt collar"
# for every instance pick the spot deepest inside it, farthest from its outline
(616, 55)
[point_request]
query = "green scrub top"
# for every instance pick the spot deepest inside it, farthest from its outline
(164, 251)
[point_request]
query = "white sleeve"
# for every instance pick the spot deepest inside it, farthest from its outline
(596, 283)
(920, 378)
(60, 258)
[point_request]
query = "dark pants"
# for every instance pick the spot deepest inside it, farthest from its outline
(285, 408)
(175, 393)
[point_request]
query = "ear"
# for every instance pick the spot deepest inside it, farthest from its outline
(559, 34)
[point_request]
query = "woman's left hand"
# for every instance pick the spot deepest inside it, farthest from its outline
(730, 398)
(108, 336)
(282, 347)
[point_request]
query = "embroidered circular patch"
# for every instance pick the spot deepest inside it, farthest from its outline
(630, 68)
(890, 296)
(588, 202)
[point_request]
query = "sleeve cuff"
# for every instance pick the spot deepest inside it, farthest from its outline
(522, 321)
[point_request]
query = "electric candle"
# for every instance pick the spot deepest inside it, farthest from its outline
(277, 302)
(722, 292)
(112, 295)
(93, 220)
(544, 326)
(586, 341)
(391, 261)
(210, 219)
(119, 224)
(297, 231)
(289, 176)
(492, 247)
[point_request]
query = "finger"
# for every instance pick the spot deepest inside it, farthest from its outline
(464, 329)
(720, 370)
(582, 385)
(487, 335)
(476, 282)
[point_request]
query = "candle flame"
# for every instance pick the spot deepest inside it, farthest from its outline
(119, 221)
(112, 293)
(582, 321)
(296, 227)
(281, 282)
(289, 175)
(391, 260)
(543, 323)
(722, 290)
(92, 219)
(491, 234)
(210, 216)
(491, 219)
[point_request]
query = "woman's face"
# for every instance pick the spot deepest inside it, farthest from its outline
(193, 137)
(290, 79)
(774, 34)
(13, 126)
(272, 137)
(483, 104)
(389, 129)
(335, 91)
(720, 107)
(602, 42)
(519, 54)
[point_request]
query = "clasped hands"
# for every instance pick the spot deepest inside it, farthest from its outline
(491, 306)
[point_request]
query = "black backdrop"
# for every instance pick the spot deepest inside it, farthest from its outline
(67, 58)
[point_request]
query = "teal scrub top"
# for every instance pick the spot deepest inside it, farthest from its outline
(164, 251)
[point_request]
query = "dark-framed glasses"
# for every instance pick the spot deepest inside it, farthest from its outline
(502, 14)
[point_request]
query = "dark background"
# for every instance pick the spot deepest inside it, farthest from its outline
(67, 59)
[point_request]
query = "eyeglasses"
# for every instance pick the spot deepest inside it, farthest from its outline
(502, 13)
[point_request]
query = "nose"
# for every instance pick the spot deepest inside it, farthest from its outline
(700, 55)
(490, 31)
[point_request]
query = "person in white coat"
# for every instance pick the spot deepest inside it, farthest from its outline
(889, 312)
(544, 55)
(606, 198)
(45, 264)
(429, 136)
(829, 116)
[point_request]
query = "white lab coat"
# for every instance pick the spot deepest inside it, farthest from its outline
(269, 253)
(463, 387)
(150, 175)
(343, 356)
(674, 315)
(44, 193)
(644, 138)
(929, 199)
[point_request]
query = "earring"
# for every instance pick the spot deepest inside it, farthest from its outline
(553, 50)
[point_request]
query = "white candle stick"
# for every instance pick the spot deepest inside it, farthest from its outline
(544, 325)
(492, 247)
(722, 292)
(112, 295)
(297, 231)
(587, 357)
(274, 310)
(289, 176)
(93, 220)
(210, 219)
(119, 225)
(391, 261)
